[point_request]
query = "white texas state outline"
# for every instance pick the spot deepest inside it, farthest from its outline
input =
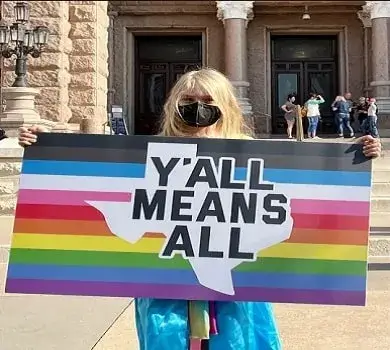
(213, 273)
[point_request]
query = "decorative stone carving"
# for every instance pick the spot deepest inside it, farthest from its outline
(378, 9)
(365, 17)
(235, 9)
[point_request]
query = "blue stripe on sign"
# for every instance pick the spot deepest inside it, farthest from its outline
(137, 170)
(75, 168)
(184, 277)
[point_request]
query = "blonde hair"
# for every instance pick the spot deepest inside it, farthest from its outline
(206, 81)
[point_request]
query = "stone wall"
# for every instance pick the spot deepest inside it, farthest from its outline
(72, 71)
(10, 166)
(50, 72)
(9, 182)
(88, 60)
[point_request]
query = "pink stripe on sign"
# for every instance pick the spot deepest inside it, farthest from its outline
(78, 198)
(195, 344)
(329, 207)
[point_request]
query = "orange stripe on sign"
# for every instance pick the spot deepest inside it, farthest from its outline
(99, 228)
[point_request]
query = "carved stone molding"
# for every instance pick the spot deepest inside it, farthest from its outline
(235, 9)
(378, 9)
(365, 17)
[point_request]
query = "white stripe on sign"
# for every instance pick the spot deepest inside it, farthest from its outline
(115, 184)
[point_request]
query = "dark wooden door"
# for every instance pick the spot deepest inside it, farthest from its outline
(287, 78)
(320, 77)
(302, 65)
(160, 62)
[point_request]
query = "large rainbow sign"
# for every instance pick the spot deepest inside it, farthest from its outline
(196, 219)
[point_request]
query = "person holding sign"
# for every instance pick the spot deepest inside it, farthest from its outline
(202, 104)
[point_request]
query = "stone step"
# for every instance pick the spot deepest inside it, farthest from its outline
(380, 231)
(380, 189)
(379, 263)
(379, 219)
(379, 245)
(382, 163)
(9, 185)
(381, 176)
(380, 204)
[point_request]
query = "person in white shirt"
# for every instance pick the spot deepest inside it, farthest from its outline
(313, 113)
(370, 124)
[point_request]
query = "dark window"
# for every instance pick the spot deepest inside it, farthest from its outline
(303, 48)
(182, 48)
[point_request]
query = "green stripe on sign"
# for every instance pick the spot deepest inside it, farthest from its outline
(139, 260)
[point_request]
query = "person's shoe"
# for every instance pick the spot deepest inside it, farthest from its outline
(2, 135)
(340, 135)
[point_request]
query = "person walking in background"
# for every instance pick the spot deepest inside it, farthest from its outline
(370, 124)
(343, 108)
(290, 113)
(352, 107)
(2, 134)
(361, 111)
(334, 113)
(313, 113)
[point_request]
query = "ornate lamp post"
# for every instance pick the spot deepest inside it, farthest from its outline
(20, 41)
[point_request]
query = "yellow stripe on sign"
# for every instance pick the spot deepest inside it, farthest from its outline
(154, 245)
(78, 242)
(316, 251)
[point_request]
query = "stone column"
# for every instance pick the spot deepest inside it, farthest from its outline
(88, 64)
(111, 63)
(380, 18)
(365, 18)
(235, 16)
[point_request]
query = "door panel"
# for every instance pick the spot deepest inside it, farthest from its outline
(178, 69)
(153, 87)
(321, 78)
(157, 69)
(287, 79)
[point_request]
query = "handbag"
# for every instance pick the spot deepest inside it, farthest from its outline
(302, 111)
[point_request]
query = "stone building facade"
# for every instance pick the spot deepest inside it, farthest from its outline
(129, 53)
(72, 71)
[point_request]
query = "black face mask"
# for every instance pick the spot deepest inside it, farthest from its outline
(199, 114)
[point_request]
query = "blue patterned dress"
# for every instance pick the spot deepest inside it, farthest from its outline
(163, 325)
